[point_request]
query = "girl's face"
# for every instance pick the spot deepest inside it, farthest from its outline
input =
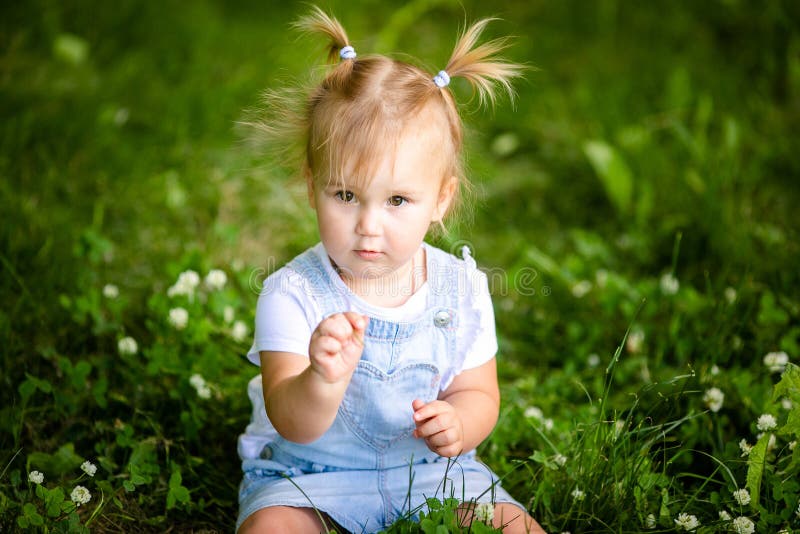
(371, 231)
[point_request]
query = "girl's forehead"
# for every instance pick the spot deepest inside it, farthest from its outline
(420, 148)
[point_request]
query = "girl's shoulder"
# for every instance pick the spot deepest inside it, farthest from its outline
(308, 262)
(299, 269)
(443, 265)
(295, 276)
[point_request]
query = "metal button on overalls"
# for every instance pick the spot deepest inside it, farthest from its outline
(441, 318)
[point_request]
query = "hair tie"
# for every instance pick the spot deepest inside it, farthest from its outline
(442, 79)
(347, 52)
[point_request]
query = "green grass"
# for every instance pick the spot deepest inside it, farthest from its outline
(651, 144)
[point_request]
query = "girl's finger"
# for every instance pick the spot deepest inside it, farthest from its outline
(336, 326)
(359, 323)
(356, 320)
(439, 439)
(426, 411)
(329, 345)
(430, 428)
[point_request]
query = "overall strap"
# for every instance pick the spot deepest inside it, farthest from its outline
(324, 292)
(452, 284)
(447, 277)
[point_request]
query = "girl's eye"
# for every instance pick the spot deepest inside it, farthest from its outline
(397, 200)
(345, 196)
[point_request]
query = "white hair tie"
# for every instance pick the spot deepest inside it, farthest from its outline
(442, 79)
(347, 52)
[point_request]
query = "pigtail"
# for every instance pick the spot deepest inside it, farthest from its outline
(319, 22)
(480, 65)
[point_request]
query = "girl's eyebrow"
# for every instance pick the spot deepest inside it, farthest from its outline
(340, 187)
(404, 192)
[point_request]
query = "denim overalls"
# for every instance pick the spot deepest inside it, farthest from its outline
(367, 470)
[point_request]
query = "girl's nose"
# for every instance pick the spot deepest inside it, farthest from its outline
(369, 222)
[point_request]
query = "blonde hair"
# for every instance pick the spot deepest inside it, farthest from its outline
(345, 124)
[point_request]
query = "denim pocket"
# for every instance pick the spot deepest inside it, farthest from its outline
(377, 405)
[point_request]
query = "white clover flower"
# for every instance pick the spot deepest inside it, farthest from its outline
(216, 279)
(650, 521)
(37, 477)
(484, 512)
(121, 116)
(534, 412)
(724, 516)
(730, 295)
(228, 314)
(742, 496)
(178, 317)
(786, 404)
(792, 445)
(687, 522)
(745, 447)
(593, 360)
(239, 331)
(766, 422)
(548, 424)
(186, 284)
(578, 495)
(110, 291)
(776, 361)
(714, 371)
(89, 468)
(635, 341)
(669, 284)
(580, 289)
(743, 525)
(189, 278)
(713, 398)
(80, 495)
(197, 381)
(127, 345)
(199, 384)
(560, 459)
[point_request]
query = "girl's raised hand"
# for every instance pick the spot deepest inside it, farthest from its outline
(440, 426)
(336, 345)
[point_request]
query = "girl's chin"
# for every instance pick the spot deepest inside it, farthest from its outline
(370, 273)
(366, 270)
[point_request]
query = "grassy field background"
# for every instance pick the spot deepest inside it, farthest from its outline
(645, 181)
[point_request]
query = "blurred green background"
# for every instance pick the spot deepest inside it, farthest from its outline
(647, 139)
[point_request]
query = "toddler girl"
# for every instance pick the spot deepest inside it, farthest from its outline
(378, 375)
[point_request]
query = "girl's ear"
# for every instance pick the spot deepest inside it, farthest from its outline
(446, 194)
(310, 185)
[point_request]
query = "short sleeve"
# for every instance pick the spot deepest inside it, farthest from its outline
(284, 315)
(478, 338)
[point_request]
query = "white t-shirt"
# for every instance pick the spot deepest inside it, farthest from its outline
(287, 314)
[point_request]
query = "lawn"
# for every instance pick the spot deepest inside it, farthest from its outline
(635, 209)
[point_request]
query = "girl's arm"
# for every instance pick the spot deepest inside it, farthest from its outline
(465, 413)
(302, 395)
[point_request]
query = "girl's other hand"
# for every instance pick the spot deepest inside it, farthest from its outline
(336, 345)
(440, 426)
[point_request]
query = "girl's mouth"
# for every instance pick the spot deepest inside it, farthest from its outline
(368, 254)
